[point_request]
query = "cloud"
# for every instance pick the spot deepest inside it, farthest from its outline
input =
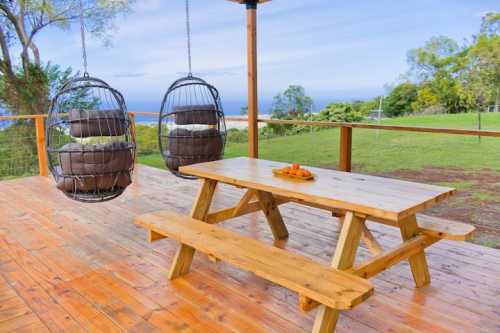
(324, 45)
(130, 75)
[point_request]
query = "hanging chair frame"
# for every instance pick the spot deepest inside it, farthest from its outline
(184, 83)
(75, 84)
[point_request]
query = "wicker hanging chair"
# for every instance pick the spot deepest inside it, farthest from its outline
(89, 142)
(192, 128)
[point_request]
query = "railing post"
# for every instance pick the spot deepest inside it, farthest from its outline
(40, 146)
(345, 155)
(131, 118)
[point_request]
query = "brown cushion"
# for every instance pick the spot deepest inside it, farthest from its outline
(196, 114)
(94, 168)
(78, 159)
(174, 162)
(86, 123)
(183, 142)
(94, 184)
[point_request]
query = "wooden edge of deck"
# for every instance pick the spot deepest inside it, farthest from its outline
(335, 289)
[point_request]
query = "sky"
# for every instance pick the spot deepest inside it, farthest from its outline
(336, 49)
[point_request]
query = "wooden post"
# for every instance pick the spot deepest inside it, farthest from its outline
(131, 119)
(345, 149)
(253, 143)
(253, 106)
(40, 146)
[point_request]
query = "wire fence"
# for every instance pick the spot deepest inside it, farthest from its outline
(18, 149)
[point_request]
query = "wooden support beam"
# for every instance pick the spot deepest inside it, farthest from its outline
(380, 263)
(253, 103)
(366, 236)
(154, 236)
(273, 215)
(40, 146)
(249, 195)
(389, 258)
(345, 254)
(345, 155)
(184, 256)
(229, 213)
(418, 262)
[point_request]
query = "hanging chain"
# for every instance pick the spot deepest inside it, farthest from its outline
(84, 49)
(188, 32)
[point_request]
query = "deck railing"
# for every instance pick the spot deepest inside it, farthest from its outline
(346, 132)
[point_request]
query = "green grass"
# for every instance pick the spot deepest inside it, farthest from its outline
(376, 151)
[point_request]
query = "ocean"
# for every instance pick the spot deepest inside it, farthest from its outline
(231, 107)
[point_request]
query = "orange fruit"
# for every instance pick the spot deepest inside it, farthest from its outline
(295, 166)
(285, 171)
(300, 173)
(307, 173)
(293, 172)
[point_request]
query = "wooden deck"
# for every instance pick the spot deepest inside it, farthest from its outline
(67, 266)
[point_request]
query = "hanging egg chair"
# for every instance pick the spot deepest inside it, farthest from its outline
(191, 126)
(89, 141)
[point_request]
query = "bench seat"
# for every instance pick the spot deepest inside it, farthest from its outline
(439, 227)
(325, 285)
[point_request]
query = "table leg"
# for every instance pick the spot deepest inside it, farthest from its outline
(345, 254)
(418, 262)
(184, 256)
(273, 215)
(366, 236)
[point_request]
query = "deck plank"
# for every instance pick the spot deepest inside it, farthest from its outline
(67, 266)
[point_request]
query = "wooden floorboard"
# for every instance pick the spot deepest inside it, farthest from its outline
(68, 266)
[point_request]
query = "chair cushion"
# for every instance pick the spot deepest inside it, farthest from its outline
(196, 114)
(98, 167)
(88, 123)
(207, 142)
(95, 184)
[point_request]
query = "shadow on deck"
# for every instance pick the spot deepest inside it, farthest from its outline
(67, 266)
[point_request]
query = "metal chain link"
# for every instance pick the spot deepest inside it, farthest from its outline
(188, 32)
(84, 49)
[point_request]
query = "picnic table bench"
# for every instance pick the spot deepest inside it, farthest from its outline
(353, 198)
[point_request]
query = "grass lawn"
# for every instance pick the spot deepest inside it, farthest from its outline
(384, 151)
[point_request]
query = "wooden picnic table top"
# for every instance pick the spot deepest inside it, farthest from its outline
(385, 198)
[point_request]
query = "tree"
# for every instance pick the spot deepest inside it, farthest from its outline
(484, 73)
(400, 99)
(437, 56)
(291, 104)
(441, 65)
(426, 99)
(25, 89)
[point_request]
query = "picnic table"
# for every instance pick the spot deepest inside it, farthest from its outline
(353, 198)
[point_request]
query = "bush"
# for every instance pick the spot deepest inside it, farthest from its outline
(147, 139)
(399, 102)
(237, 136)
(339, 112)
